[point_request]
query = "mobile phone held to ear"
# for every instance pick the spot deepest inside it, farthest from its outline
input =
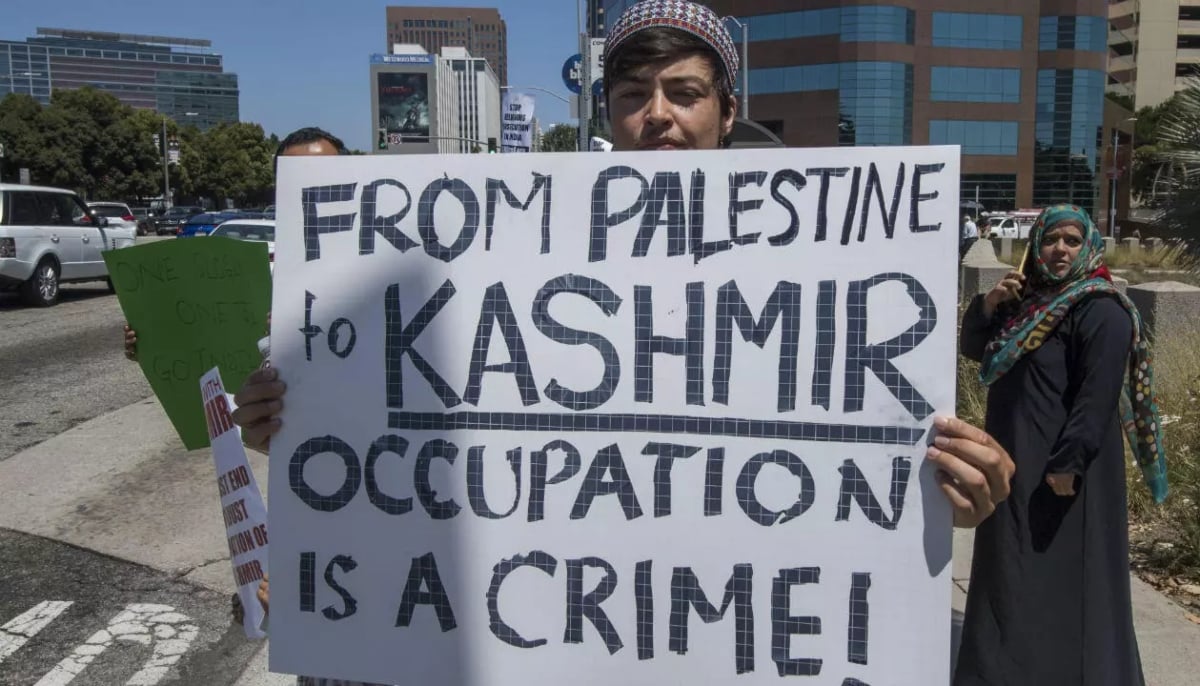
(1023, 268)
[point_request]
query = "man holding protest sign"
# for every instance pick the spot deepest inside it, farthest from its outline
(668, 78)
(669, 69)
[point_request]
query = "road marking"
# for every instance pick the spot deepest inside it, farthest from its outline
(24, 627)
(170, 632)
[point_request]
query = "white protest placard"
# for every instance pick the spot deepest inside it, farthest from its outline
(517, 122)
(643, 418)
(242, 504)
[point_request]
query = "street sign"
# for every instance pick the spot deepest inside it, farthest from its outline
(173, 155)
(24, 174)
(572, 73)
(596, 51)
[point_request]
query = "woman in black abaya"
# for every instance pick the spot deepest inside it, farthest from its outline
(1067, 364)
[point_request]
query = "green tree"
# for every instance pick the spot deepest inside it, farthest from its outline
(236, 163)
(561, 138)
(21, 135)
(95, 129)
(1179, 136)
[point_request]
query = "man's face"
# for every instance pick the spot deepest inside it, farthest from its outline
(317, 147)
(669, 106)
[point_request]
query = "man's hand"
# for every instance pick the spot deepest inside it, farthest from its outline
(130, 343)
(264, 593)
(259, 401)
(973, 470)
(1062, 484)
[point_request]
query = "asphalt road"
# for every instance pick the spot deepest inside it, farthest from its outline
(68, 615)
(62, 365)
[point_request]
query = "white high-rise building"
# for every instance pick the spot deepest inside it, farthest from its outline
(477, 91)
(414, 103)
(537, 136)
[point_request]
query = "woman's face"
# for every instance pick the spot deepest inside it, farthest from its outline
(1060, 246)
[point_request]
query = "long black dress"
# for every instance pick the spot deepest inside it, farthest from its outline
(1048, 602)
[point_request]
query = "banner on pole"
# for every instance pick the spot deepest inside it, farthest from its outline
(517, 122)
(622, 418)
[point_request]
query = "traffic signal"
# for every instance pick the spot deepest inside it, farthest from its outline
(383, 141)
(491, 146)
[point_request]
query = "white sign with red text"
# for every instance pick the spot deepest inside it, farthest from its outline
(242, 504)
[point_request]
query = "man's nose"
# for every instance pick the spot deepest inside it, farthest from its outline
(658, 110)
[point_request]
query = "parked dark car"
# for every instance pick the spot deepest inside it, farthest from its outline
(203, 224)
(144, 217)
(171, 221)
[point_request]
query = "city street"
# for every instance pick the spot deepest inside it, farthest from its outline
(113, 565)
(63, 365)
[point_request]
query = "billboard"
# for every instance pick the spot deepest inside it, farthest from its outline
(404, 106)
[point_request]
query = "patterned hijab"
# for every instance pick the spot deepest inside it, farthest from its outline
(1048, 299)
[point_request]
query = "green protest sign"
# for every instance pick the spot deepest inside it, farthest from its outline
(195, 304)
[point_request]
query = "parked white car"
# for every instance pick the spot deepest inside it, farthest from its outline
(48, 236)
(118, 214)
(258, 230)
(1009, 227)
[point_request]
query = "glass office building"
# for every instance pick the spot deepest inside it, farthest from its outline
(179, 77)
(1021, 90)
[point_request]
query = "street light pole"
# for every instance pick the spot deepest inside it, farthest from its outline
(1112, 186)
(166, 172)
(535, 88)
(745, 30)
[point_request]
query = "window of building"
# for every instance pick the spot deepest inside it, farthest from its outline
(975, 137)
(876, 23)
(1073, 33)
(1122, 49)
(798, 79)
(875, 103)
(1068, 132)
(1188, 42)
(996, 192)
(783, 25)
(975, 30)
(971, 84)
(1189, 13)
(1183, 70)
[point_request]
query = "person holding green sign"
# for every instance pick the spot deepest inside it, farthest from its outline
(306, 141)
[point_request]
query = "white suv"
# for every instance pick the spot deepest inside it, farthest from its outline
(47, 237)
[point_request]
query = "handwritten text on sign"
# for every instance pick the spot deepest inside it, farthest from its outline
(614, 418)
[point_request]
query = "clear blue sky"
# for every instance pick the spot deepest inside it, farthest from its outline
(305, 62)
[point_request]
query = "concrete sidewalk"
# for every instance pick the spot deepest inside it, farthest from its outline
(123, 485)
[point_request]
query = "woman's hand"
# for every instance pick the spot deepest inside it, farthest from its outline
(974, 471)
(130, 343)
(1062, 484)
(1008, 289)
(258, 402)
